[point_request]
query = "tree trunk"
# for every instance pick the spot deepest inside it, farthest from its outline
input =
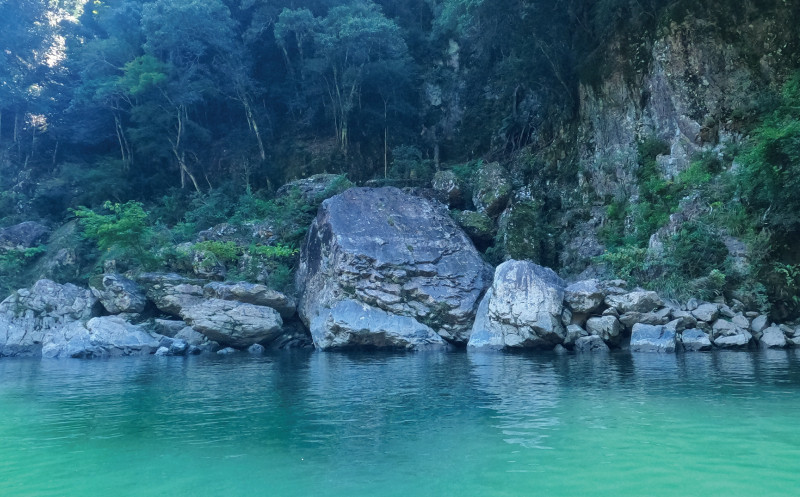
(385, 143)
(55, 153)
(1, 125)
(251, 121)
(178, 153)
(124, 146)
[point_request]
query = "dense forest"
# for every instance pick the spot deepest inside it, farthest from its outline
(131, 126)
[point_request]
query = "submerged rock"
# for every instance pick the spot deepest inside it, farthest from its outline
(522, 309)
(399, 258)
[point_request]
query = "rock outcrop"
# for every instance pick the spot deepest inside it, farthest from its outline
(233, 323)
(99, 337)
(118, 294)
(390, 254)
(251, 293)
(171, 292)
(522, 309)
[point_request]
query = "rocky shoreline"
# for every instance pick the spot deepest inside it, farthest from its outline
(380, 268)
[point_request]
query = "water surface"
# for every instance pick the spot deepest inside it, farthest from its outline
(433, 424)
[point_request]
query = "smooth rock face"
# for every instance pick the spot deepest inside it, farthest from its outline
(385, 250)
(349, 324)
(99, 337)
(522, 309)
(695, 340)
(649, 338)
(643, 301)
(171, 292)
(27, 315)
(252, 293)
(584, 297)
(233, 323)
(118, 294)
(772, 338)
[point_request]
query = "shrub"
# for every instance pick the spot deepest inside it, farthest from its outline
(125, 228)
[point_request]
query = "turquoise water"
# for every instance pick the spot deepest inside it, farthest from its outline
(440, 424)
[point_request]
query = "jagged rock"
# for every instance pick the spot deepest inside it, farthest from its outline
(314, 188)
(477, 225)
(233, 323)
(118, 294)
(606, 327)
(706, 312)
(724, 328)
(584, 297)
(206, 264)
(384, 250)
(168, 327)
(592, 343)
(251, 293)
(27, 315)
(741, 321)
(574, 332)
(522, 309)
(737, 341)
(171, 292)
(759, 324)
(99, 337)
(695, 340)
(682, 323)
(692, 304)
(726, 312)
(449, 188)
(641, 301)
(773, 338)
(611, 312)
(492, 189)
(631, 318)
(23, 235)
(649, 338)
(566, 317)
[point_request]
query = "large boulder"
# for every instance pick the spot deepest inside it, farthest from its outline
(171, 292)
(649, 338)
(449, 188)
(606, 327)
(24, 235)
(584, 297)
(492, 189)
(772, 338)
(118, 294)
(252, 293)
(233, 323)
(522, 309)
(694, 340)
(27, 315)
(639, 301)
(99, 337)
(388, 251)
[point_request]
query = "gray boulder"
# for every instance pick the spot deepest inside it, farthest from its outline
(737, 341)
(314, 188)
(118, 294)
(99, 337)
(23, 235)
(773, 338)
(574, 332)
(706, 312)
(492, 189)
(27, 315)
(694, 340)
(649, 338)
(725, 328)
(606, 327)
(591, 343)
(171, 292)
(252, 293)
(640, 301)
(449, 188)
(759, 324)
(256, 349)
(349, 324)
(522, 309)
(384, 250)
(584, 297)
(168, 327)
(233, 323)
(631, 318)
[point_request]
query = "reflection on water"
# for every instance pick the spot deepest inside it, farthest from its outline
(440, 423)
